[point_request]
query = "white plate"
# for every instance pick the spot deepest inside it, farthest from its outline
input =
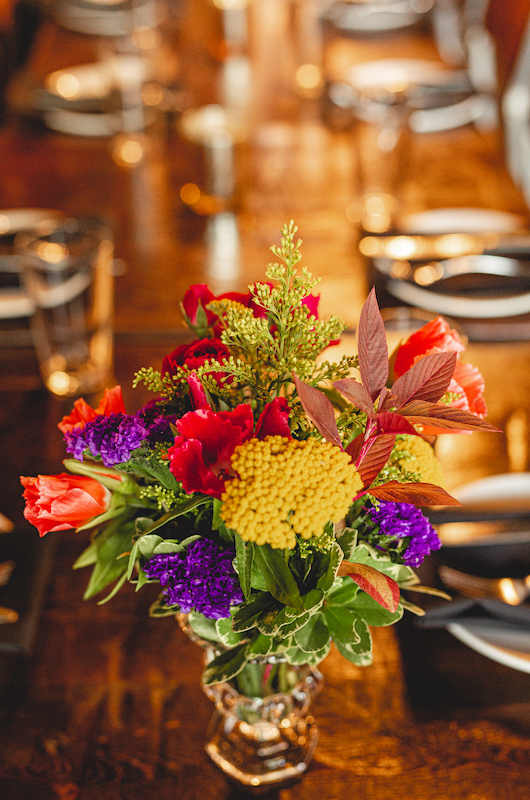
(504, 645)
(461, 220)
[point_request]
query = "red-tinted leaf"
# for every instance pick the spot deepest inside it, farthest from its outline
(427, 379)
(319, 410)
(381, 588)
(390, 422)
(356, 393)
(375, 457)
(421, 412)
(354, 448)
(419, 494)
(373, 349)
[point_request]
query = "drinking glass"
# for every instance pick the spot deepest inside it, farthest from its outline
(67, 271)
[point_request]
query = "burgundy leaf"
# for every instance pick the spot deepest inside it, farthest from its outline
(419, 494)
(421, 412)
(375, 457)
(381, 588)
(384, 396)
(373, 349)
(427, 379)
(319, 410)
(390, 422)
(354, 448)
(356, 393)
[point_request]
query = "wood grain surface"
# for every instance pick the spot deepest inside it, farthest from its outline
(108, 706)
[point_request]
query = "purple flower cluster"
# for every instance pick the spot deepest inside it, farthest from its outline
(158, 425)
(403, 520)
(113, 438)
(200, 579)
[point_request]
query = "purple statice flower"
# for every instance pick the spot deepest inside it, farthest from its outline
(157, 423)
(113, 438)
(403, 520)
(200, 579)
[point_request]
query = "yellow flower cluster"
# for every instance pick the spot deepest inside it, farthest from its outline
(420, 459)
(286, 487)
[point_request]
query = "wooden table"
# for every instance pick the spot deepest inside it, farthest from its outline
(109, 704)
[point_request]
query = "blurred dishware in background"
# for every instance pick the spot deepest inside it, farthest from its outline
(67, 271)
(470, 264)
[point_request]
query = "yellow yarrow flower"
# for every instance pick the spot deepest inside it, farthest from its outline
(286, 487)
(421, 460)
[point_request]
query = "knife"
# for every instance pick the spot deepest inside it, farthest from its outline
(425, 247)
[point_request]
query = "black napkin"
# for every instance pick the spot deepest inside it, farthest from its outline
(484, 613)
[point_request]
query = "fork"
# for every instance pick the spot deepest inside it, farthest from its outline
(513, 591)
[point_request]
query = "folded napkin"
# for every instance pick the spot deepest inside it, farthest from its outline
(481, 612)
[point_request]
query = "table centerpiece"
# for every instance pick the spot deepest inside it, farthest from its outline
(274, 497)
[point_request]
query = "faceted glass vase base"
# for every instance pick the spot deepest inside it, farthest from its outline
(261, 755)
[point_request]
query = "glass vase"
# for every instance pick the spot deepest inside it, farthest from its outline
(261, 734)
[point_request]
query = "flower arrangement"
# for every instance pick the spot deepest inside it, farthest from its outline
(274, 497)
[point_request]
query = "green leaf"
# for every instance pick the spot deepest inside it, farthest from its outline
(147, 543)
(226, 665)
(260, 646)
(216, 517)
(364, 554)
(202, 626)
(87, 557)
(109, 566)
(288, 620)
(168, 546)
(276, 623)
(178, 512)
(347, 541)
(278, 577)
(359, 652)
(325, 582)
(141, 580)
(225, 633)
(297, 656)
(226, 536)
(341, 623)
(145, 464)
(369, 610)
(251, 610)
(314, 635)
(344, 593)
(142, 524)
(117, 586)
(244, 562)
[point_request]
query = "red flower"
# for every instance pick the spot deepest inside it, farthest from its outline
(61, 502)
(194, 355)
(196, 298)
(112, 403)
(467, 384)
(200, 458)
(434, 337)
(471, 384)
(196, 393)
(273, 420)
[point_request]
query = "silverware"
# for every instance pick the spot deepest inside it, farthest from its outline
(513, 591)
